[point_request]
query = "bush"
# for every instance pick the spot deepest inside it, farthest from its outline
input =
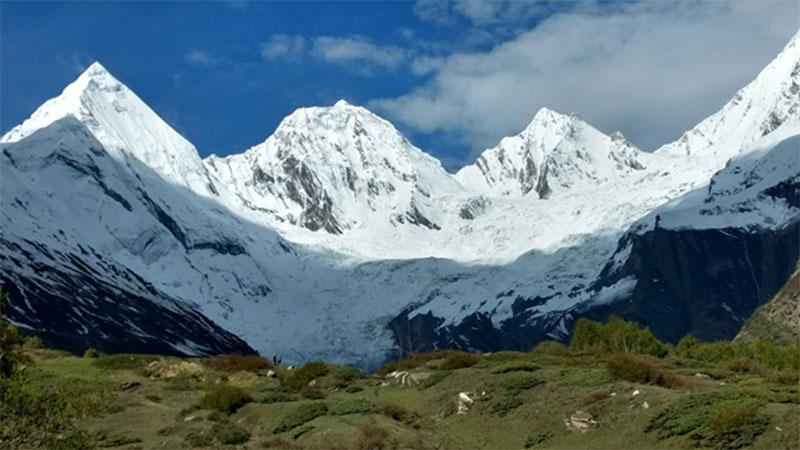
(639, 369)
(616, 336)
(300, 415)
(91, 353)
(224, 398)
(506, 404)
(749, 356)
(458, 360)
(519, 366)
(371, 437)
(34, 342)
(517, 383)
(198, 438)
(124, 361)
(299, 379)
(235, 363)
(583, 377)
(43, 411)
(398, 413)
(230, 434)
(11, 342)
(537, 439)
(551, 348)
(737, 425)
(415, 360)
(349, 406)
(277, 397)
(344, 375)
(312, 393)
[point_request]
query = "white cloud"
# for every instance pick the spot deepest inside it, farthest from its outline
(282, 46)
(482, 13)
(358, 50)
(200, 58)
(357, 53)
(651, 69)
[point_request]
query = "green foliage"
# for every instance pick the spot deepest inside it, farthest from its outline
(551, 348)
(91, 353)
(737, 425)
(124, 361)
(224, 398)
(615, 336)
(419, 359)
(537, 439)
(518, 382)
(722, 419)
(639, 369)
(299, 415)
(349, 406)
(34, 342)
(298, 379)
(458, 360)
(516, 366)
(753, 354)
(372, 437)
(38, 411)
(11, 342)
(398, 413)
(583, 377)
(235, 363)
(229, 433)
(276, 397)
(433, 379)
(198, 438)
(505, 404)
(312, 393)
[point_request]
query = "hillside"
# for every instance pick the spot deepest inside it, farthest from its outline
(777, 320)
(593, 394)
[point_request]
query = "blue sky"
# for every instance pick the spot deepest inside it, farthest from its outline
(454, 76)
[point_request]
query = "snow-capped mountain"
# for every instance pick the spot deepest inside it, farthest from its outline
(555, 152)
(334, 169)
(772, 99)
(337, 239)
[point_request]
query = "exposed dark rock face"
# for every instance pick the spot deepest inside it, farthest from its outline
(80, 301)
(700, 282)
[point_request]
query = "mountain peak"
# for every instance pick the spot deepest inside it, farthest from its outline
(123, 123)
(757, 109)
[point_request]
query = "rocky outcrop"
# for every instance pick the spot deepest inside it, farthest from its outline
(778, 320)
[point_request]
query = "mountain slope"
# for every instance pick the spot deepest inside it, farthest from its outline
(778, 320)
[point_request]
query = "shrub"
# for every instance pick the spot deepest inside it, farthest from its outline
(413, 361)
(34, 342)
(349, 406)
(300, 415)
(584, 377)
(616, 336)
(537, 439)
(224, 398)
(230, 434)
(371, 437)
(198, 438)
(91, 353)
(752, 355)
(312, 393)
(235, 363)
(11, 341)
(518, 366)
(299, 379)
(639, 369)
(458, 360)
(433, 379)
(344, 375)
(517, 383)
(506, 404)
(38, 411)
(551, 348)
(737, 425)
(124, 361)
(277, 397)
(398, 413)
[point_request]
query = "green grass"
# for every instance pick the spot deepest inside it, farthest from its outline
(521, 401)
